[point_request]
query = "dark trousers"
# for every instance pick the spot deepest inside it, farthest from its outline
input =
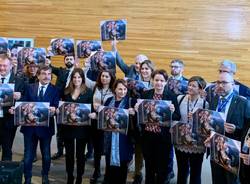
(97, 138)
(30, 145)
(59, 139)
(244, 173)
(115, 174)
(157, 157)
(70, 146)
(189, 162)
(220, 175)
(8, 136)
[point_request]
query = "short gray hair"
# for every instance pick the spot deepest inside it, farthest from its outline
(229, 64)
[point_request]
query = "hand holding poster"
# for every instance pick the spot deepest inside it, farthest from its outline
(154, 112)
(31, 114)
(113, 119)
(76, 114)
(6, 94)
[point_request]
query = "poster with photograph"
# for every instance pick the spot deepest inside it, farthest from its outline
(31, 114)
(113, 119)
(76, 114)
(3, 45)
(185, 136)
(28, 55)
(246, 145)
(178, 87)
(85, 47)
(20, 42)
(135, 87)
(6, 94)
(62, 46)
(101, 61)
(205, 121)
(113, 29)
(226, 152)
(154, 112)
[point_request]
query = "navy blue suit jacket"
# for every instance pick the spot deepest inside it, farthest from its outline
(52, 96)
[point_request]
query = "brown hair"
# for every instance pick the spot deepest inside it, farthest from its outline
(160, 72)
(43, 68)
(98, 80)
(149, 64)
(201, 82)
(71, 87)
(119, 81)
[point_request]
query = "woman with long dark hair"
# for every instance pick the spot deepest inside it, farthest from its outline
(76, 137)
(102, 91)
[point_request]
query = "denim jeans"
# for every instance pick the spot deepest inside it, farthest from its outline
(30, 146)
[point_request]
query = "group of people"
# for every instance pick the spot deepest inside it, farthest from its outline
(149, 143)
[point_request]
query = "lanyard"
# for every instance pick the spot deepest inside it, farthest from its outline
(222, 104)
(191, 110)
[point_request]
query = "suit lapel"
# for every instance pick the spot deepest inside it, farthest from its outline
(46, 94)
(231, 108)
(12, 78)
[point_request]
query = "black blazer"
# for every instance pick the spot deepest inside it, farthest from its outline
(8, 120)
(61, 80)
(51, 95)
(81, 132)
(167, 95)
(238, 114)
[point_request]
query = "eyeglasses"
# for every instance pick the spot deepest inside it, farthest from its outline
(223, 83)
(174, 66)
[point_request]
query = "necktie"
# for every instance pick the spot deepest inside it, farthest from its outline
(222, 105)
(41, 93)
(3, 78)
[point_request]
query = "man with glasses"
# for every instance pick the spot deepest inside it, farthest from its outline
(236, 110)
(227, 66)
(177, 83)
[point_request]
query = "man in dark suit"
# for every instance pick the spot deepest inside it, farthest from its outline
(43, 91)
(7, 127)
(229, 67)
(63, 77)
(236, 110)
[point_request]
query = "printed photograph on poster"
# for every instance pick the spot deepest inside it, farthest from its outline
(154, 112)
(20, 42)
(246, 145)
(113, 29)
(85, 47)
(6, 94)
(177, 86)
(101, 61)
(62, 46)
(3, 45)
(205, 121)
(226, 152)
(76, 114)
(31, 114)
(185, 136)
(135, 87)
(113, 119)
(28, 55)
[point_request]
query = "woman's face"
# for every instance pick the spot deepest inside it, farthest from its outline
(193, 88)
(105, 78)
(145, 71)
(32, 69)
(121, 91)
(159, 82)
(77, 80)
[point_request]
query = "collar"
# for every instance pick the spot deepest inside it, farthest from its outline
(232, 91)
(45, 86)
(179, 77)
(7, 77)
